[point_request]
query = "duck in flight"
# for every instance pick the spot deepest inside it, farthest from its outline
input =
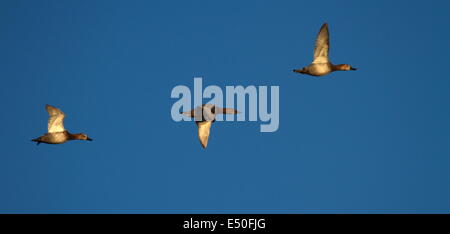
(321, 65)
(56, 133)
(204, 116)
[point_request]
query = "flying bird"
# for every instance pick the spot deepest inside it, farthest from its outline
(204, 116)
(56, 133)
(321, 65)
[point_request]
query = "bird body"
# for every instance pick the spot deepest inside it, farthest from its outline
(318, 69)
(53, 138)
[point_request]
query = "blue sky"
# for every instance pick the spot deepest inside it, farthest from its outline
(371, 141)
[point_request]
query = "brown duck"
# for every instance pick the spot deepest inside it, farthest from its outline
(56, 132)
(204, 116)
(321, 65)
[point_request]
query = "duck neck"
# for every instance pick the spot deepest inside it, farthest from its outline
(76, 136)
(341, 67)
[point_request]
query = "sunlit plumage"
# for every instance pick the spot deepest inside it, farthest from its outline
(204, 116)
(56, 133)
(321, 65)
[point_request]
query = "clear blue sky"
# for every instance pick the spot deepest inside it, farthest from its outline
(372, 141)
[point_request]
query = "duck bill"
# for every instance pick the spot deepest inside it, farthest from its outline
(89, 139)
(353, 68)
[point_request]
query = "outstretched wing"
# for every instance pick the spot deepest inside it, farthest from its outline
(55, 120)
(196, 113)
(189, 113)
(203, 132)
(322, 45)
(226, 111)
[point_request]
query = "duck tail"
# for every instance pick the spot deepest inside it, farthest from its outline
(298, 71)
(37, 141)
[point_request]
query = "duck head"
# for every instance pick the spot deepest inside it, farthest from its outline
(80, 136)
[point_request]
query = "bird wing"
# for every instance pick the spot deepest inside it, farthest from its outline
(55, 120)
(322, 45)
(188, 113)
(226, 111)
(203, 132)
(196, 113)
